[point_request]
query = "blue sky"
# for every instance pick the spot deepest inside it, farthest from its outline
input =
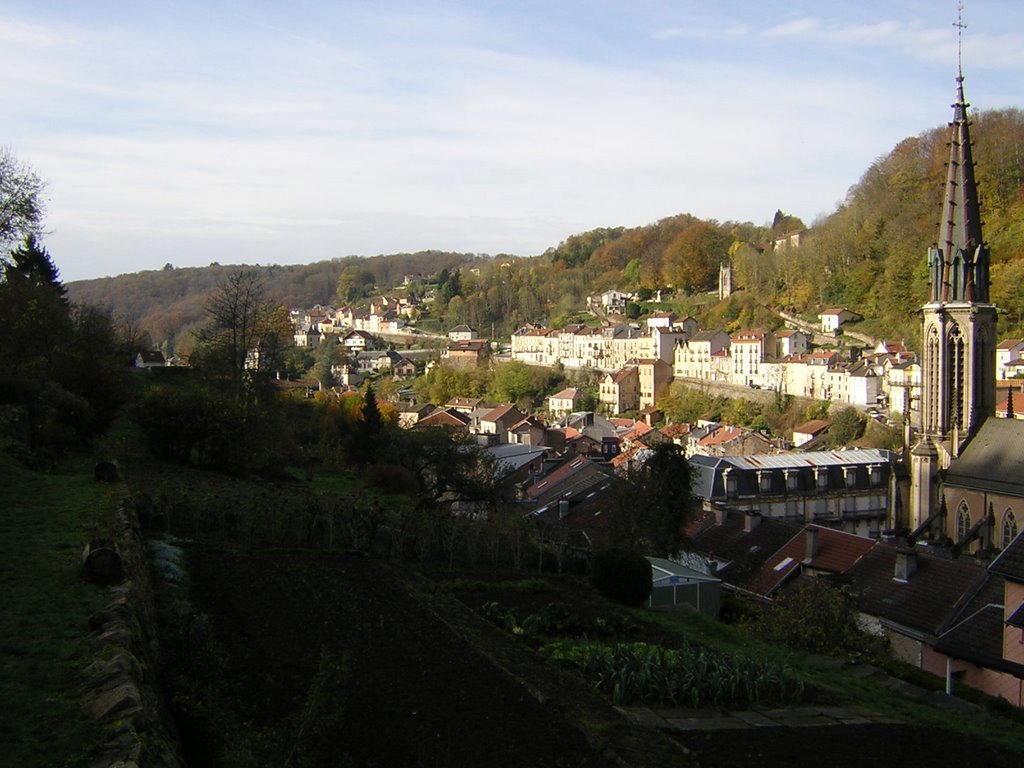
(263, 132)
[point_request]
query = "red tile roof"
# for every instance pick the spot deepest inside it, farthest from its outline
(837, 552)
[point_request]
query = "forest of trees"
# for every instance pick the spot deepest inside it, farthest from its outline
(869, 255)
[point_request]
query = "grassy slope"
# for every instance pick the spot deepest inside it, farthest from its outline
(871, 693)
(45, 520)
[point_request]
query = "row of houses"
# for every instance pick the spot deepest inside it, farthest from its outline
(666, 349)
(385, 314)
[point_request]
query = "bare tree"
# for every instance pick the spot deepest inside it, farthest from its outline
(21, 199)
(239, 344)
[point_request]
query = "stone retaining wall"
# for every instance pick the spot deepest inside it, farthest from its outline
(122, 689)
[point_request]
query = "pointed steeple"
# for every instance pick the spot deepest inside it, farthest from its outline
(964, 257)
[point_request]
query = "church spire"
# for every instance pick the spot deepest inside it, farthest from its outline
(964, 255)
(958, 322)
(960, 264)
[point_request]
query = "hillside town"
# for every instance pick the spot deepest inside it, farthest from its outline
(924, 530)
(927, 537)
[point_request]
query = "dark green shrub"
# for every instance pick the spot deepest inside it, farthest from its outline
(622, 576)
(392, 478)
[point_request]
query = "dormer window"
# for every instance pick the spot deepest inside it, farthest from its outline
(792, 478)
(764, 481)
(822, 478)
(730, 483)
(875, 473)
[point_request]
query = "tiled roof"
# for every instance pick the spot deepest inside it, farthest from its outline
(925, 601)
(569, 393)
(495, 414)
(444, 418)
(675, 430)
(620, 376)
(813, 427)
(837, 552)
(721, 435)
(464, 402)
(741, 552)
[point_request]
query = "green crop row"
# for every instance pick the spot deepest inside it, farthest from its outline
(689, 676)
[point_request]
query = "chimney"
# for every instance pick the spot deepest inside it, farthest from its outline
(906, 563)
(563, 508)
(720, 514)
(750, 521)
(812, 544)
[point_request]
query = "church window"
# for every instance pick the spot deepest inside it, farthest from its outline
(1009, 529)
(932, 384)
(963, 521)
(955, 381)
(956, 277)
(935, 267)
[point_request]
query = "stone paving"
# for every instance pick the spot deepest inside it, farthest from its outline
(719, 720)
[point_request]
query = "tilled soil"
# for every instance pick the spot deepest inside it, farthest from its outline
(428, 683)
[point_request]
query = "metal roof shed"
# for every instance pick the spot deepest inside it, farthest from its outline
(675, 586)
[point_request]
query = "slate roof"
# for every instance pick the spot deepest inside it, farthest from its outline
(979, 639)
(152, 356)
(993, 460)
(741, 554)
(925, 601)
(1010, 562)
(837, 553)
(709, 480)
(701, 336)
(513, 456)
(573, 477)
(1017, 618)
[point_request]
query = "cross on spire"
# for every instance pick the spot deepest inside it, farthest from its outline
(960, 27)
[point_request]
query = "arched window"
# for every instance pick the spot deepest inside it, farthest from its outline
(956, 276)
(956, 372)
(963, 521)
(1009, 529)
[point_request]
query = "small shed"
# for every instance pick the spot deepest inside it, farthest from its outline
(676, 586)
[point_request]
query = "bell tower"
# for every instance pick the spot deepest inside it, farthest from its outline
(958, 334)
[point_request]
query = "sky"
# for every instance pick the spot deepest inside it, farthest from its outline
(263, 132)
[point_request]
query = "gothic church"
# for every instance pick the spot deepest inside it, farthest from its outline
(966, 466)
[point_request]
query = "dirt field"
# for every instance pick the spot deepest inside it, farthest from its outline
(425, 682)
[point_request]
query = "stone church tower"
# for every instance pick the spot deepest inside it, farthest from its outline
(958, 327)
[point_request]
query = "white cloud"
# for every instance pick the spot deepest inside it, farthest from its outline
(340, 129)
